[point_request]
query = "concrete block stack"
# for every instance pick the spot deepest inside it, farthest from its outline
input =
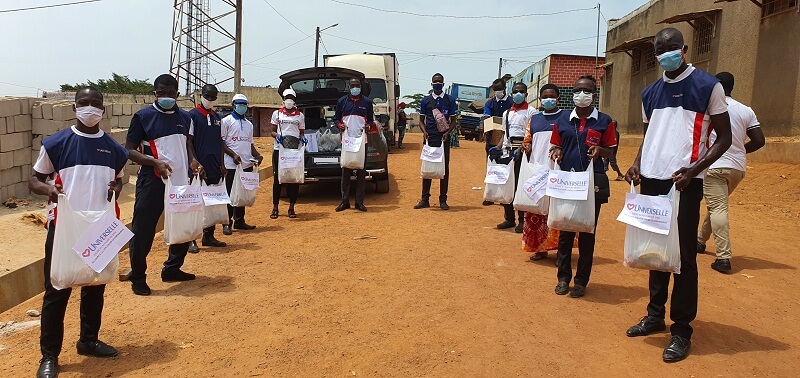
(15, 146)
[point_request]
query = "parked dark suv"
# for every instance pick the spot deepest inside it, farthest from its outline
(318, 89)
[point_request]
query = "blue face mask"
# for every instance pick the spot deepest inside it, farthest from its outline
(166, 102)
(670, 60)
(549, 103)
(437, 86)
(519, 98)
(355, 91)
(240, 109)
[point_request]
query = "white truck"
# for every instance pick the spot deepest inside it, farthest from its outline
(382, 73)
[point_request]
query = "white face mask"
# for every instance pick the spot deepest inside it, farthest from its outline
(582, 99)
(499, 94)
(207, 104)
(89, 115)
(288, 103)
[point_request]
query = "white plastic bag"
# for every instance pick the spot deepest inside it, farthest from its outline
(240, 196)
(574, 215)
(183, 212)
(532, 184)
(66, 268)
(653, 251)
(499, 182)
(433, 165)
(353, 151)
(291, 169)
(216, 201)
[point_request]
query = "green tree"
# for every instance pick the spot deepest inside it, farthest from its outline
(415, 100)
(117, 84)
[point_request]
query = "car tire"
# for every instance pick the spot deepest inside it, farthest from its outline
(382, 185)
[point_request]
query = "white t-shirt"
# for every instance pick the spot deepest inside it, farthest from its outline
(742, 119)
(518, 120)
(238, 136)
(288, 123)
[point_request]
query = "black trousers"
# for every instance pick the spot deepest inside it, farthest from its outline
(147, 209)
(585, 252)
(684, 290)
(508, 208)
(293, 189)
(444, 183)
(210, 230)
(361, 182)
(235, 213)
(55, 306)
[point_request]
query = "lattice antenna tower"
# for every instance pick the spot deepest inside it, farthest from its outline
(192, 52)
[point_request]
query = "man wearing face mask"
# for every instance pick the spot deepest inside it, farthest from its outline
(208, 147)
(237, 138)
(515, 122)
(354, 114)
(445, 104)
(86, 165)
(495, 107)
(288, 121)
(586, 136)
(158, 140)
(677, 111)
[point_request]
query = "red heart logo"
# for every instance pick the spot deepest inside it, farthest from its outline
(205, 194)
(553, 180)
(631, 206)
(172, 196)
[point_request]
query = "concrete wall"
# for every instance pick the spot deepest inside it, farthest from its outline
(763, 55)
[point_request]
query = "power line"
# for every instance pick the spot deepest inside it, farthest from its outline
(48, 6)
(461, 17)
(286, 19)
(323, 45)
(277, 51)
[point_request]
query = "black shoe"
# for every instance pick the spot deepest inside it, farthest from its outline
(176, 275)
(48, 367)
(721, 265)
(342, 207)
(211, 241)
(578, 291)
(140, 288)
(422, 204)
(520, 227)
(443, 205)
(562, 288)
(193, 248)
(487, 203)
(243, 226)
(677, 350)
(226, 230)
(96, 349)
(506, 224)
(701, 248)
(646, 326)
(361, 207)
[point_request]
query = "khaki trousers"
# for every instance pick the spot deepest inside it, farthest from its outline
(717, 187)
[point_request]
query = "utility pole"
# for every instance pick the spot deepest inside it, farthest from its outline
(237, 72)
(500, 69)
(316, 50)
(597, 43)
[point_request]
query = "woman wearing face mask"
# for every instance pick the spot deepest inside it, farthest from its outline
(237, 135)
(587, 136)
(536, 236)
(287, 122)
(515, 121)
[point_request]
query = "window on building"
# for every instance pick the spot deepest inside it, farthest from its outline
(650, 61)
(771, 7)
(636, 60)
(703, 35)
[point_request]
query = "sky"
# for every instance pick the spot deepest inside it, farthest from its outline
(44, 48)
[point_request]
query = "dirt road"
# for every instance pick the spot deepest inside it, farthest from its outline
(437, 294)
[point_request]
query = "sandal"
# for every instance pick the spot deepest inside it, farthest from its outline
(274, 214)
(538, 256)
(292, 214)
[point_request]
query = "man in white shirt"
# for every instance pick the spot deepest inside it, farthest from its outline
(725, 174)
(237, 137)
